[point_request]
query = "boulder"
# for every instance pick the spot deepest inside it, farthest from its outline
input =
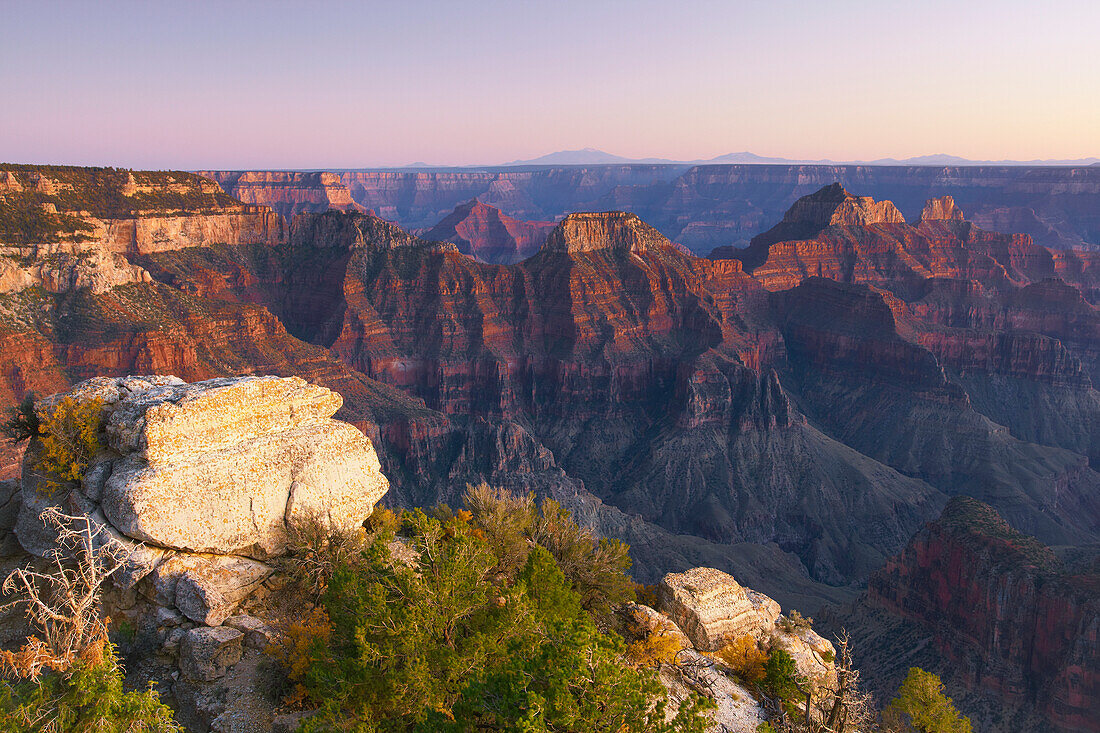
(813, 654)
(207, 652)
(641, 621)
(168, 423)
(712, 608)
(257, 634)
(220, 466)
(210, 591)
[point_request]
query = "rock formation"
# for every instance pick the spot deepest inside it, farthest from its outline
(703, 610)
(213, 467)
(615, 230)
(708, 206)
(288, 193)
(488, 234)
(713, 609)
(77, 224)
(1010, 622)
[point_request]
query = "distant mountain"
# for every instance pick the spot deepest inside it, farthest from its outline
(585, 156)
(592, 156)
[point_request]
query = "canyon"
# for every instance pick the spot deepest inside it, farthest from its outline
(792, 412)
(708, 206)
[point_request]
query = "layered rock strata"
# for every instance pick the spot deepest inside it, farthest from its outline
(701, 611)
(713, 609)
(708, 206)
(488, 234)
(1009, 619)
(287, 192)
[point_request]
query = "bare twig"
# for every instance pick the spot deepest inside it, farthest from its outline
(64, 602)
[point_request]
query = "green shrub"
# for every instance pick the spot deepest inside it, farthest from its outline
(921, 706)
(781, 676)
(22, 423)
(596, 568)
(86, 698)
(450, 645)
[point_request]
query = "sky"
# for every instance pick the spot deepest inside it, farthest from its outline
(236, 84)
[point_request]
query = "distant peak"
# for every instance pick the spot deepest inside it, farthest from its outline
(615, 230)
(834, 206)
(941, 209)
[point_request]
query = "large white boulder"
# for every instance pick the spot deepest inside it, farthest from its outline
(220, 466)
(215, 467)
(713, 609)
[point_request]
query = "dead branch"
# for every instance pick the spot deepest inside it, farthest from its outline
(64, 601)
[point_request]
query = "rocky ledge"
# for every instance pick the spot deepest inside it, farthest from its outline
(703, 610)
(205, 477)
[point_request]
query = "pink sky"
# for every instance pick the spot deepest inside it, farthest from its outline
(328, 84)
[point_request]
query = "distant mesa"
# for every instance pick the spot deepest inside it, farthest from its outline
(610, 230)
(592, 156)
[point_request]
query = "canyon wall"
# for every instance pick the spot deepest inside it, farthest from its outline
(792, 428)
(287, 192)
(1003, 612)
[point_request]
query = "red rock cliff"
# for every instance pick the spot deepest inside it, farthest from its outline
(1002, 609)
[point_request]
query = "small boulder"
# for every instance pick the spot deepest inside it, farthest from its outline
(257, 634)
(206, 653)
(210, 591)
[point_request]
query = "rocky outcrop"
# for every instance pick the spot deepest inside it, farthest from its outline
(701, 611)
(941, 209)
(885, 251)
(1012, 622)
(263, 450)
(490, 235)
(713, 609)
(615, 230)
(193, 483)
(76, 224)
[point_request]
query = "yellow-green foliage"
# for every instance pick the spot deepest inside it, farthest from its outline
(71, 436)
(921, 706)
(294, 651)
(745, 657)
(660, 647)
(647, 594)
(794, 621)
(87, 698)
